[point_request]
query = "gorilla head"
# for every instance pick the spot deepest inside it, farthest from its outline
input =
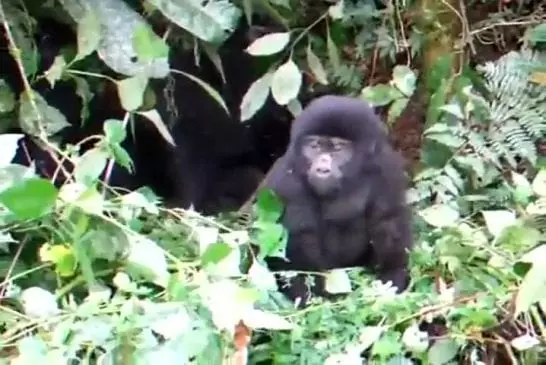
(343, 189)
(332, 145)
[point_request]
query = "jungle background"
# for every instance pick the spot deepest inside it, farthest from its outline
(124, 279)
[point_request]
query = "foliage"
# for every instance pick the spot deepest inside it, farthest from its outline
(93, 276)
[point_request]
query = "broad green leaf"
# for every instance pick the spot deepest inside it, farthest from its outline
(442, 351)
(39, 303)
(89, 34)
(90, 166)
(539, 183)
(86, 198)
(269, 205)
(211, 21)
(114, 131)
(215, 253)
(294, 107)
(396, 109)
(256, 96)
(404, 79)
(7, 97)
(369, 335)
(454, 109)
(131, 91)
(269, 44)
(447, 139)
(147, 44)
(497, 220)
(525, 342)
(316, 66)
(9, 143)
(440, 215)
(415, 340)
(148, 259)
(336, 11)
(522, 190)
(271, 238)
(209, 89)
(122, 157)
(255, 318)
(337, 282)
(51, 119)
(378, 95)
(154, 117)
(538, 34)
(30, 199)
(286, 82)
(333, 54)
(261, 277)
(532, 288)
(62, 256)
(55, 72)
(84, 92)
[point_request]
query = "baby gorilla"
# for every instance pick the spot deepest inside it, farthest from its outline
(343, 188)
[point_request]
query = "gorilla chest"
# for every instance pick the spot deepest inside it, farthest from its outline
(329, 245)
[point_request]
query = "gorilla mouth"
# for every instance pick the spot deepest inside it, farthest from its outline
(325, 186)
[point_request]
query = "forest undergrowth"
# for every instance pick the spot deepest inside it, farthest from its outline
(93, 276)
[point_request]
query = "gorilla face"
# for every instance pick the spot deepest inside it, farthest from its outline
(326, 157)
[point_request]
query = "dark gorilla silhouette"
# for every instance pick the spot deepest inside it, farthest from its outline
(216, 163)
(356, 215)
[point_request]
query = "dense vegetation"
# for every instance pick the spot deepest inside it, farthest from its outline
(89, 278)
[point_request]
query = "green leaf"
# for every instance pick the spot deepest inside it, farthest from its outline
(294, 107)
(148, 259)
(442, 352)
(440, 215)
(215, 253)
(90, 166)
(404, 79)
(30, 199)
(316, 66)
(209, 89)
(131, 91)
(453, 109)
(539, 183)
(9, 142)
(154, 117)
(271, 238)
(269, 44)
(522, 191)
(7, 97)
(538, 34)
(286, 82)
(89, 34)
(84, 92)
(269, 205)
(148, 45)
(256, 96)
(497, 220)
(122, 157)
(378, 95)
(51, 118)
(114, 131)
(369, 335)
(333, 54)
(55, 72)
(211, 21)
(396, 109)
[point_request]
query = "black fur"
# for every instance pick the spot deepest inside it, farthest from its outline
(367, 224)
